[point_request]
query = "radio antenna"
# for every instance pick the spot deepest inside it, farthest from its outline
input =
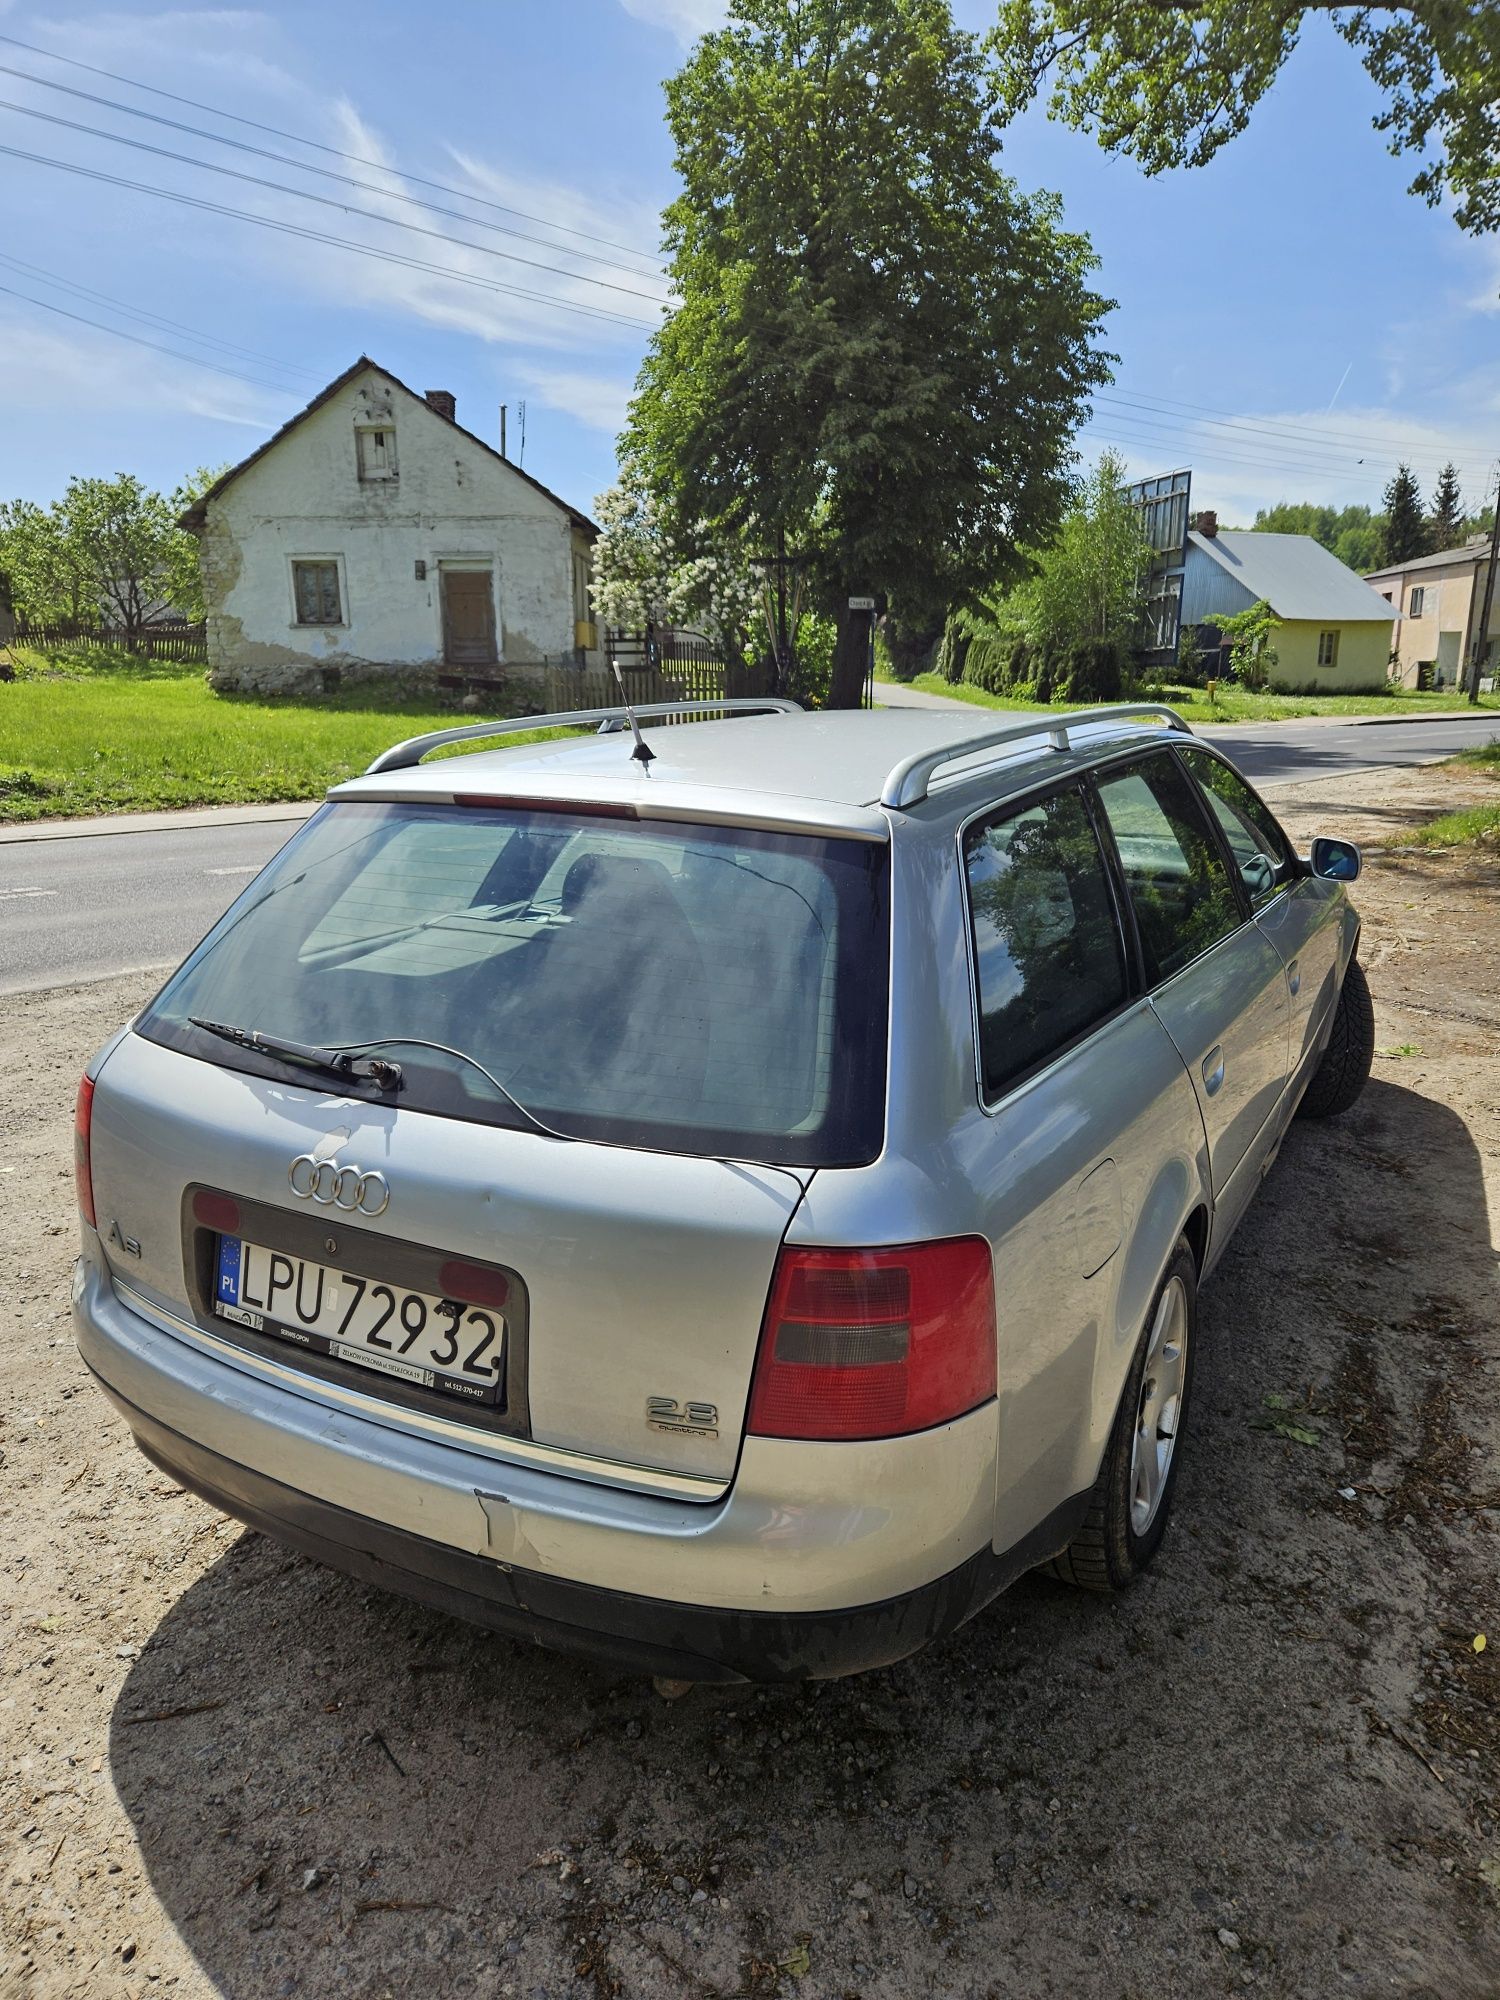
(642, 753)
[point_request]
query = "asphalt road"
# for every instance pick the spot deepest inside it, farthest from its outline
(1302, 750)
(87, 907)
(72, 910)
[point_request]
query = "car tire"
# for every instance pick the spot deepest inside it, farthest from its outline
(1122, 1532)
(1345, 1068)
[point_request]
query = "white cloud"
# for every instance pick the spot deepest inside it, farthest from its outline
(686, 19)
(229, 56)
(469, 253)
(596, 400)
(77, 373)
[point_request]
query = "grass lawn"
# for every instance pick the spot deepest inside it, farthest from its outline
(1235, 704)
(1470, 825)
(101, 732)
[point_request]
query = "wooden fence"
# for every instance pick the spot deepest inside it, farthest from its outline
(157, 642)
(673, 680)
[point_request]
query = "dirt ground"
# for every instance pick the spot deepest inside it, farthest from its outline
(1274, 1766)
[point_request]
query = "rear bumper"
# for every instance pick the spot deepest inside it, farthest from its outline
(821, 1560)
(641, 1634)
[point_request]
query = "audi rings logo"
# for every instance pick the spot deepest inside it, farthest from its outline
(334, 1186)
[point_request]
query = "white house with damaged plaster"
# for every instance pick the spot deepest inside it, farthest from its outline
(374, 535)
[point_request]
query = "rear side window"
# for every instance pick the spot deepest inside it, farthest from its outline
(1048, 957)
(1254, 839)
(693, 989)
(1180, 890)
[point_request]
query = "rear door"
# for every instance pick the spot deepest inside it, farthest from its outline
(1088, 1110)
(1297, 912)
(1217, 983)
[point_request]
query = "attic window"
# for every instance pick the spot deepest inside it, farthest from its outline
(377, 451)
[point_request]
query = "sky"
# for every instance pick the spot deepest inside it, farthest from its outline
(1290, 322)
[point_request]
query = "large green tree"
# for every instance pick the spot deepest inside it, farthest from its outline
(42, 581)
(109, 552)
(1405, 523)
(881, 348)
(1169, 81)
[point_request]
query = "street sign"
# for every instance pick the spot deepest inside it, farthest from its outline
(861, 604)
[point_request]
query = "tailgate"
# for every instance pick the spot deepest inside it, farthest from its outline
(638, 1280)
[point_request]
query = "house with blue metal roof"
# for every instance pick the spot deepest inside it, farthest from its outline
(1336, 632)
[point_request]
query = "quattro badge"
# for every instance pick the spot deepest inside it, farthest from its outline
(665, 1413)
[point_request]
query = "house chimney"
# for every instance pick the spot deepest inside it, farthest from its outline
(1207, 523)
(442, 401)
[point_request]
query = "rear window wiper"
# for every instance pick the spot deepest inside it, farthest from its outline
(309, 1055)
(462, 1055)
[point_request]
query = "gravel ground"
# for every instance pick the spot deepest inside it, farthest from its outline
(1273, 1766)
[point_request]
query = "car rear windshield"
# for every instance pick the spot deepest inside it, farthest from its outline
(694, 989)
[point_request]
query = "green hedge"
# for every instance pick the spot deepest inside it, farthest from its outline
(1091, 670)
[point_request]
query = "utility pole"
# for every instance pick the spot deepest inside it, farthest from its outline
(502, 430)
(1481, 637)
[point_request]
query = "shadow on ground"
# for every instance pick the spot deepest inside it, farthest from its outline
(1225, 1781)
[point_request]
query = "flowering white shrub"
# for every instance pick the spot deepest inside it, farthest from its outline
(641, 577)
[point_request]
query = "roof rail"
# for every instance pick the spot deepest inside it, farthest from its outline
(401, 756)
(907, 782)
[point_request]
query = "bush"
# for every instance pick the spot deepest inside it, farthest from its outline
(997, 662)
(1092, 668)
(952, 651)
(1279, 686)
(813, 668)
(907, 650)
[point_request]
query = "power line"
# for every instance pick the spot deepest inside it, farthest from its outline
(1362, 460)
(306, 167)
(1272, 454)
(1166, 438)
(355, 159)
(1138, 444)
(1371, 443)
(323, 200)
(152, 319)
(119, 333)
(321, 236)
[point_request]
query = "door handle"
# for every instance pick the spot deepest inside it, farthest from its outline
(1294, 975)
(1213, 1070)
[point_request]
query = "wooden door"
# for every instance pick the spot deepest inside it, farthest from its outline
(468, 618)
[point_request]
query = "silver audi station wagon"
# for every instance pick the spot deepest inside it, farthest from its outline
(729, 1198)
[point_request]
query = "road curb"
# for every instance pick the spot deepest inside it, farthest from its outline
(1490, 715)
(107, 824)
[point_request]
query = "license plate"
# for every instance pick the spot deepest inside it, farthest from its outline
(417, 1337)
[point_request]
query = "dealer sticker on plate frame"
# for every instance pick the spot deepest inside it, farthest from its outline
(418, 1337)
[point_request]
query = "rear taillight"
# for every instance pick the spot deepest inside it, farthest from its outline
(872, 1343)
(83, 1174)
